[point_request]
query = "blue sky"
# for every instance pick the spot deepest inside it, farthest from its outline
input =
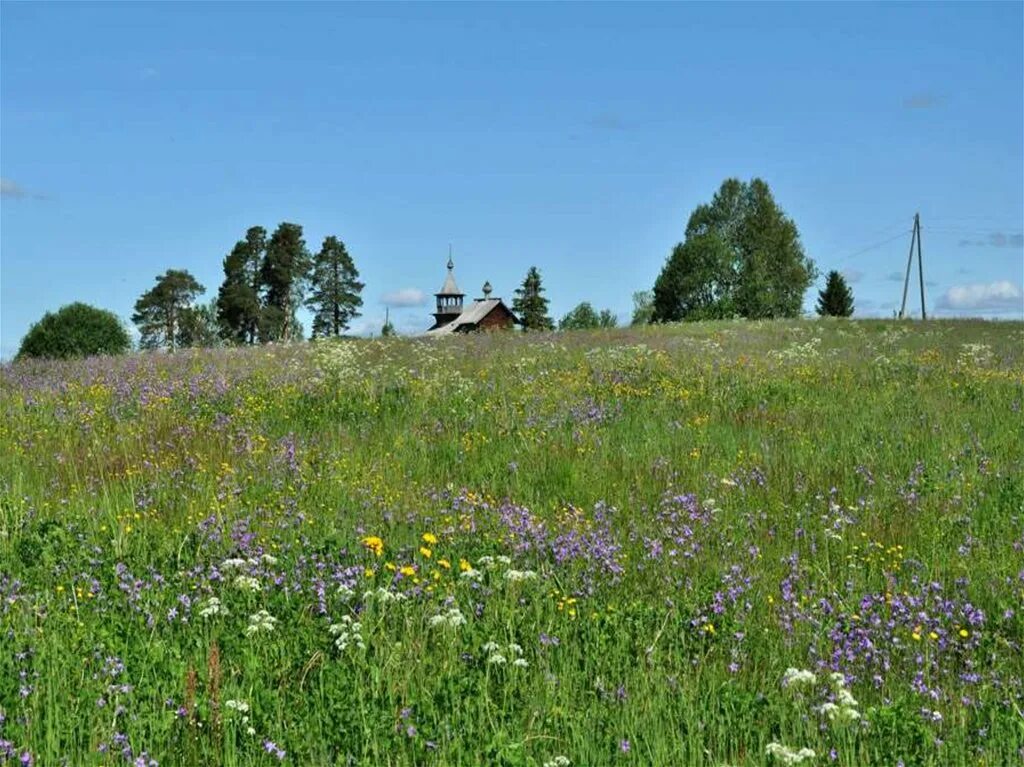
(140, 137)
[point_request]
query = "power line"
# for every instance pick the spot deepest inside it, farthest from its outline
(872, 246)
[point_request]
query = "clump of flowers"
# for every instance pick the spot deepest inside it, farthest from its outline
(212, 607)
(248, 583)
(374, 544)
(518, 576)
(347, 632)
(241, 707)
(497, 657)
(558, 761)
(844, 709)
(787, 755)
(451, 618)
(796, 678)
(260, 622)
(383, 597)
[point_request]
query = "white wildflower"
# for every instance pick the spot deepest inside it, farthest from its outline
(452, 619)
(515, 649)
(558, 761)
(788, 755)
(520, 663)
(795, 677)
(471, 574)
(383, 596)
(268, 559)
(248, 583)
(517, 576)
(491, 647)
(346, 633)
(232, 564)
(237, 705)
(345, 592)
(497, 659)
(260, 621)
(212, 607)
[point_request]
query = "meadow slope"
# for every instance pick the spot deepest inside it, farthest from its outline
(599, 548)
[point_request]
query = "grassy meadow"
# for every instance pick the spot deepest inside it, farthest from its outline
(711, 544)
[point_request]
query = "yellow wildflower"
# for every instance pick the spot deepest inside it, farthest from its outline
(429, 538)
(374, 544)
(407, 570)
(444, 563)
(426, 552)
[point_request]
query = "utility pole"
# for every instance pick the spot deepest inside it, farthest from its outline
(915, 239)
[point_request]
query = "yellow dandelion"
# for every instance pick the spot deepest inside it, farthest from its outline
(963, 633)
(429, 538)
(426, 552)
(407, 570)
(444, 563)
(374, 544)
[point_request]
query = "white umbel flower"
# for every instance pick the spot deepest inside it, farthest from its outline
(260, 622)
(212, 608)
(796, 678)
(789, 756)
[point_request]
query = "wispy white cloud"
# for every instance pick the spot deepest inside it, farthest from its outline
(999, 296)
(404, 298)
(996, 240)
(12, 189)
(853, 276)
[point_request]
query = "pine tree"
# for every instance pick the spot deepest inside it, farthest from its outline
(836, 300)
(335, 289)
(530, 304)
(283, 276)
(238, 299)
(162, 310)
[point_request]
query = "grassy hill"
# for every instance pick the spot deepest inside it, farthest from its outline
(603, 547)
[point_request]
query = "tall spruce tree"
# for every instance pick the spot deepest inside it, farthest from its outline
(161, 312)
(742, 255)
(283, 276)
(238, 299)
(531, 305)
(836, 300)
(335, 289)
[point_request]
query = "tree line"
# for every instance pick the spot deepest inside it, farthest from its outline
(266, 281)
(741, 257)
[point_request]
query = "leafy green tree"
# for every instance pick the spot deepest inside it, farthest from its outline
(199, 326)
(584, 317)
(696, 282)
(75, 330)
(161, 311)
(238, 299)
(283, 276)
(836, 300)
(335, 289)
(643, 307)
(530, 303)
(742, 256)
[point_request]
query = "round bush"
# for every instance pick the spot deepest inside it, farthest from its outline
(75, 330)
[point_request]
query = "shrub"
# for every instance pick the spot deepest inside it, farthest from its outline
(75, 330)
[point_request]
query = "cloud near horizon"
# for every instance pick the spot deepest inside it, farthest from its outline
(998, 296)
(406, 297)
(996, 240)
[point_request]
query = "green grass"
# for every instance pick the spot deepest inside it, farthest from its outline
(703, 507)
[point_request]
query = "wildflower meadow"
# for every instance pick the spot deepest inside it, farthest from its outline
(712, 544)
